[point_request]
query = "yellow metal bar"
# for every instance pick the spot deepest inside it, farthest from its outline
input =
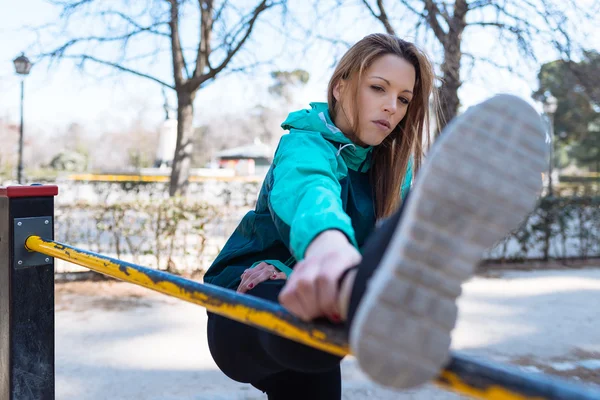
(157, 178)
(247, 309)
(462, 374)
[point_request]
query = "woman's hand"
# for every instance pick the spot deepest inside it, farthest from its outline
(253, 276)
(312, 290)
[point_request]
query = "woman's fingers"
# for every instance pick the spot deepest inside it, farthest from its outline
(308, 295)
(242, 285)
(291, 299)
(253, 276)
(288, 297)
(326, 287)
(258, 277)
(312, 290)
(299, 295)
(278, 275)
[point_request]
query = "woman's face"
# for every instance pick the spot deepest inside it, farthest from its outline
(384, 93)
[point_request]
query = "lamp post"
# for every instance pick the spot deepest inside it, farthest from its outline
(22, 66)
(550, 105)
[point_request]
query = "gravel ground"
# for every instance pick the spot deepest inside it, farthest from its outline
(116, 341)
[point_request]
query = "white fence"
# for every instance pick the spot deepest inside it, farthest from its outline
(140, 224)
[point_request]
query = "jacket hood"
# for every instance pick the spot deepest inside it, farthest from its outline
(317, 119)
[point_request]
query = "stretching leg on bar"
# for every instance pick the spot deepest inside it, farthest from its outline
(400, 319)
(311, 243)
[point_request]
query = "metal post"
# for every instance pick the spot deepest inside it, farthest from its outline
(20, 166)
(26, 295)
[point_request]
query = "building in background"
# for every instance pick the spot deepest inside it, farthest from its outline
(254, 159)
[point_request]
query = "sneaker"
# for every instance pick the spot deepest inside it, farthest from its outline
(480, 180)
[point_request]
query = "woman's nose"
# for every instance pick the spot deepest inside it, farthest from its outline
(390, 106)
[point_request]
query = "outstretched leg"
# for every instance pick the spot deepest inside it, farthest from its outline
(479, 181)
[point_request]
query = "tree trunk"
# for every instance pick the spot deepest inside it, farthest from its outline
(451, 80)
(180, 171)
(452, 41)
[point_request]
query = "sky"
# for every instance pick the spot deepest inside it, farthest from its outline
(58, 95)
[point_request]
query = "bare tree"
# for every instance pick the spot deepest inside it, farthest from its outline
(223, 28)
(517, 24)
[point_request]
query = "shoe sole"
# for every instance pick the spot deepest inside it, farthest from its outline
(482, 177)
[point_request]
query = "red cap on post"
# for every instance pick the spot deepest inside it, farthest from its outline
(29, 191)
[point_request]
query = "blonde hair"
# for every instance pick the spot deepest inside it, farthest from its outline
(390, 158)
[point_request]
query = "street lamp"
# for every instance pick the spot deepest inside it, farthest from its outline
(550, 105)
(22, 66)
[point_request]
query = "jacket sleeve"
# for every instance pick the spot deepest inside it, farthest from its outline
(306, 193)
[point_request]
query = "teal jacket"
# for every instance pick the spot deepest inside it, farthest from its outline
(318, 181)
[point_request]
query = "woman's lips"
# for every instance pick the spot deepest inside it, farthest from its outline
(382, 124)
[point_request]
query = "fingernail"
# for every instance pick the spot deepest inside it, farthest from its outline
(251, 285)
(273, 276)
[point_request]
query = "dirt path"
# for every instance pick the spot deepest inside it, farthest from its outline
(117, 341)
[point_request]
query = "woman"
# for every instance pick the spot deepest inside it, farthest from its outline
(344, 166)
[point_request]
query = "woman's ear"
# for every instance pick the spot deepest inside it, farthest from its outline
(338, 89)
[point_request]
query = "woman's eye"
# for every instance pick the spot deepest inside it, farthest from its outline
(377, 88)
(403, 100)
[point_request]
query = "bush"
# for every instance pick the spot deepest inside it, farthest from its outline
(169, 234)
(183, 236)
(559, 228)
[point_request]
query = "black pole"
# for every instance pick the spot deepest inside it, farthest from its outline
(26, 295)
(20, 166)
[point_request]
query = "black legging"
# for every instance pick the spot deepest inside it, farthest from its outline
(282, 368)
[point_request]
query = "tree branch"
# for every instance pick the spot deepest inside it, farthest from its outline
(176, 52)
(458, 21)
(366, 3)
(480, 4)
(129, 20)
(219, 13)
(444, 12)
(495, 64)
(85, 57)
(204, 50)
(412, 9)
(432, 13)
(69, 7)
(526, 23)
(523, 29)
(195, 82)
(335, 41)
(498, 25)
(382, 16)
(99, 39)
(243, 69)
